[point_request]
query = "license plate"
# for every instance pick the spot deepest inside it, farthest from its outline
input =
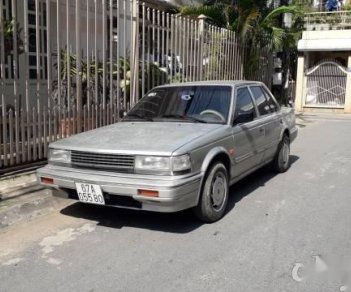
(89, 193)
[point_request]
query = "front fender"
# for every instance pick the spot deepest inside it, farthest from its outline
(207, 161)
(212, 154)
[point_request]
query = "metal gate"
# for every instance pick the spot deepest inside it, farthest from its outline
(326, 85)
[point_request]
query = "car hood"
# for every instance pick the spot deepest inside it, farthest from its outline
(150, 138)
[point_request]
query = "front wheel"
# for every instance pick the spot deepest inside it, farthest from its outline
(214, 197)
(281, 161)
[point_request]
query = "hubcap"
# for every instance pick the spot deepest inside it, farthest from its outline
(285, 153)
(219, 191)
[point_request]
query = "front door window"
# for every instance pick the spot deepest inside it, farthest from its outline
(244, 109)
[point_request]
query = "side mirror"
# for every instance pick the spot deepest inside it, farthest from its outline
(243, 117)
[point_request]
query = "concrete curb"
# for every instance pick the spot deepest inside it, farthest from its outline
(13, 186)
(324, 116)
(29, 206)
(22, 199)
(301, 122)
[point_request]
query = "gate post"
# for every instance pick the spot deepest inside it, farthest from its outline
(300, 75)
(201, 19)
(347, 108)
(79, 103)
(134, 53)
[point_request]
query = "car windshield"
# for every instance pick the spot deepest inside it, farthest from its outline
(194, 104)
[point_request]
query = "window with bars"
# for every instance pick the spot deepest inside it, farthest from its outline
(37, 31)
(8, 58)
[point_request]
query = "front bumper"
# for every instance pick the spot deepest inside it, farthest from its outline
(175, 193)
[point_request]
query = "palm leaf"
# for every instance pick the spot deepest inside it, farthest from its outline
(248, 23)
(214, 13)
(277, 38)
(272, 17)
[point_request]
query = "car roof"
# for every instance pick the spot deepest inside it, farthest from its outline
(213, 83)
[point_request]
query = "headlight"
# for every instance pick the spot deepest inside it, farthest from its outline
(59, 156)
(181, 163)
(152, 164)
(162, 165)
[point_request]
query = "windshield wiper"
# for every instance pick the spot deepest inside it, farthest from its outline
(140, 117)
(188, 118)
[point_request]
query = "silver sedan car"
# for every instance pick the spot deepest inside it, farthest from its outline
(181, 146)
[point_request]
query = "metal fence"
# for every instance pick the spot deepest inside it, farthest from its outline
(323, 5)
(71, 66)
(328, 20)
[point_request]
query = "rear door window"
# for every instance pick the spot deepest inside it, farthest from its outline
(261, 100)
(273, 105)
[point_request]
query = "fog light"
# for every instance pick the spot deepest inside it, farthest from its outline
(148, 193)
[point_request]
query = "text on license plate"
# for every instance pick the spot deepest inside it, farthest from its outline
(90, 193)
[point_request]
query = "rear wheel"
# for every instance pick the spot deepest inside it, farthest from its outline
(214, 197)
(281, 161)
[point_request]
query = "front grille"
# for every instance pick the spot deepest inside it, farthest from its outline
(115, 162)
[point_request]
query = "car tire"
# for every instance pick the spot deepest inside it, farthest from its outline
(281, 162)
(214, 194)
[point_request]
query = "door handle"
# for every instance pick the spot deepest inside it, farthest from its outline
(261, 130)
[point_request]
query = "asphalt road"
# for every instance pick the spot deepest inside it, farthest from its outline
(287, 232)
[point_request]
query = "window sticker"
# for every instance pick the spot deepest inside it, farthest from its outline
(186, 97)
(152, 94)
